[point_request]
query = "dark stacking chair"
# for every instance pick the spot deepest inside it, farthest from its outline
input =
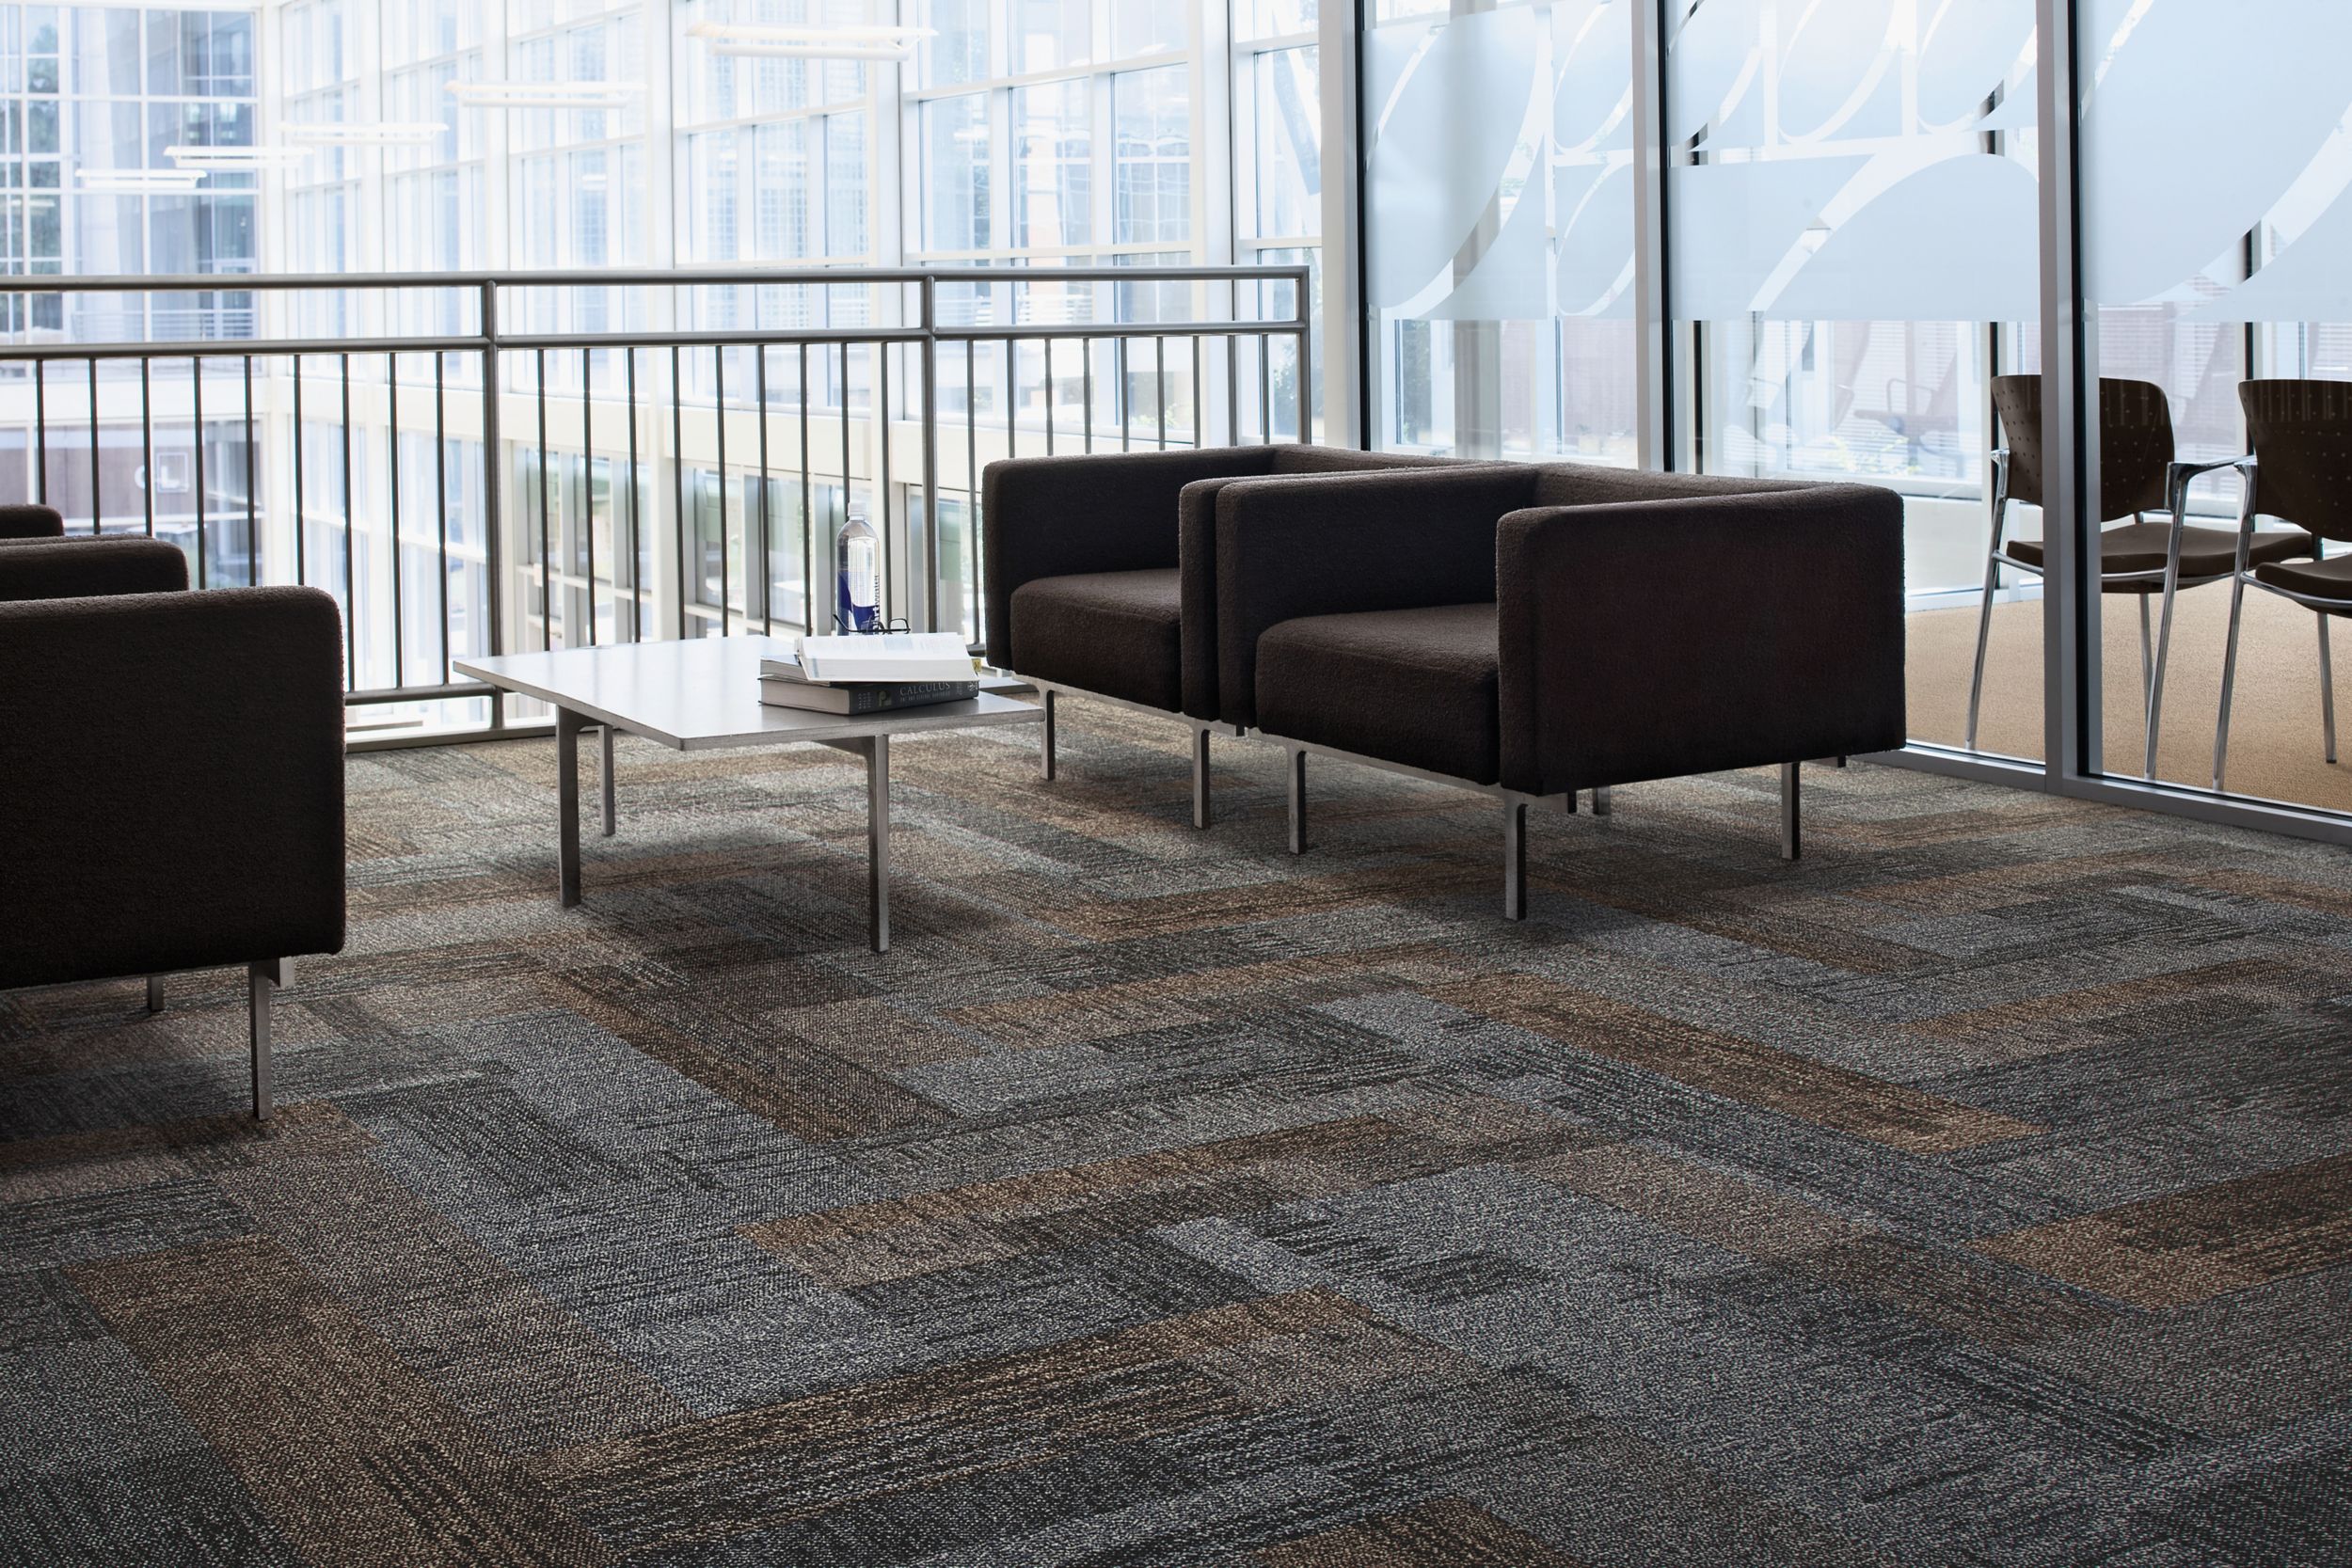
(2301, 473)
(1098, 567)
(2136, 476)
(171, 765)
(31, 522)
(1531, 631)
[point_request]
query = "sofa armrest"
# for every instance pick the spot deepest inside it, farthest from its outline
(31, 521)
(1326, 544)
(1653, 640)
(1056, 516)
(183, 756)
(82, 568)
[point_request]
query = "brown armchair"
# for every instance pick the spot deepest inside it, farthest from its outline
(31, 522)
(1101, 575)
(1530, 632)
(183, 752)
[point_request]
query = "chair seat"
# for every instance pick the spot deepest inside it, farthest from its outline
(2320, 579)
(1415, 686)
(2205, 552)
(1118, 633)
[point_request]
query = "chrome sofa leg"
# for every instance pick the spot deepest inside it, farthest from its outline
(1297, 791)
(2326, 690)
(1792, 844)
(263, 980)
(1600, 801)
(1514, 860)
(154, 994)
(1046, 738)
(1200, 776)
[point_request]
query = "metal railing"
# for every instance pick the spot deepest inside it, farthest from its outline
(493, 461)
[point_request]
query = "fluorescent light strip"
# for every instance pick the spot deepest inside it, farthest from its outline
(749, 32)
(237, 159)
(810, 52)
(385, 134)
(140, 180)
(545, 95)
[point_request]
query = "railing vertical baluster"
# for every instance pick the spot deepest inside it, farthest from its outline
(1200, 383)
(928, 359)
(97, 506)
(1265, 394)
(1159, 384)
(1119, 398)
(1012, 399)
(546, 498)
(40, 431)
(718, 412)
(302, 569)
(1045, 350)
(845, 444)
(1085, 390)
(636, 540)
(147, 437)
(766, 542)
(972, 474)
(196, 385)
(252, 485)
(493, 487)
(351, 546)
(808, 515)
(677, 475)
(588, 490)
(441, 494)
(881, 352)
(391, 418)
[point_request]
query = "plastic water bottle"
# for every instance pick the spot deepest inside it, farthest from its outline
(857, 603)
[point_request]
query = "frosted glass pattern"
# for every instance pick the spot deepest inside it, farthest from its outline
(1499, 215)
(1833, 160)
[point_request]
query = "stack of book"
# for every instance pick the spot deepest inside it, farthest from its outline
(869, 673)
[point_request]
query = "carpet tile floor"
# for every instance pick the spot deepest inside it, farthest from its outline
(1977, 1189)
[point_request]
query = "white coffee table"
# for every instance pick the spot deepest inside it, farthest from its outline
(702, 695)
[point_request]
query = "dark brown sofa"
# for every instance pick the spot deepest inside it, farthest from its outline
(182, 755)
(1537, 630)
(1099, 574)
(31, 521)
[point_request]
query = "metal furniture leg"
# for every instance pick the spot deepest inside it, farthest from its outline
(1297, 780)
(2151, 670)
(1200, 776)
(1600, 801)
(154, 994)
(877, 841)
(2229, 681)
(1514, 860)
(567, 727)
(2326, 690)
(610, 735)
(1992, 586)
(1046, 738)
(263, 980)
(1791, 841)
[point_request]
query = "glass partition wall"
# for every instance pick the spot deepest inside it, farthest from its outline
(1809, 241)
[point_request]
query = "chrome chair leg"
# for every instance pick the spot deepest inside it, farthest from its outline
(1992, 586)
(1200, 776)
(1046, 738)
(2229, 681)
(1514, 860)
(2147, 654)
(2326, 690)
(1791, 845)
(2152, 673)
(1297, 781)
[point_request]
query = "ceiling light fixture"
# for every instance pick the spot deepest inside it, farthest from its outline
(382, 133)
(545, 95)
(237, 160)
(754, 41)
(137, 181)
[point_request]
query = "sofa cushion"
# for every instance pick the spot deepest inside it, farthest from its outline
(1416, 686)
(1112, 632)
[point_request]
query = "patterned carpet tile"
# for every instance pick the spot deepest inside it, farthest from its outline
(1976, 1191)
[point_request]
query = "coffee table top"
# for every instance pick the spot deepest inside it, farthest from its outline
(704, 693)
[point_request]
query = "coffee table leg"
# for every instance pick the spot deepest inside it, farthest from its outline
(567, 727)
(877, 840)
(605, 778)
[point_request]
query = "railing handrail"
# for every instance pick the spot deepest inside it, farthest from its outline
(682, 277)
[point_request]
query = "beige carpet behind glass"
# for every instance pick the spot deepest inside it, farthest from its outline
(2275, 742)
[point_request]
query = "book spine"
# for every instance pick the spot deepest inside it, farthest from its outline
(911, 695)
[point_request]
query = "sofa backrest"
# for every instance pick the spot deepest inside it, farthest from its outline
(1591, 485)
(1301, 459)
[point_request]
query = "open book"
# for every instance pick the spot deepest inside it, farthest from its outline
(937, 655)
